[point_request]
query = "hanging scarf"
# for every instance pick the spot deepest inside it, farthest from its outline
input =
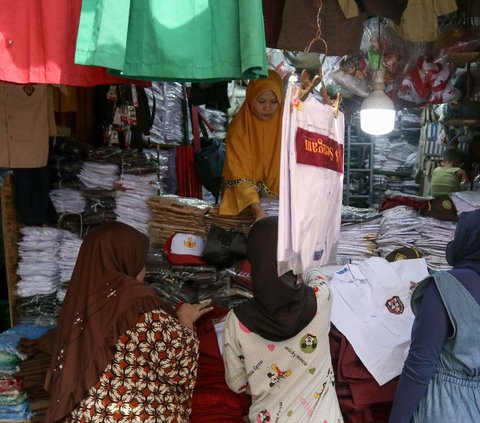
(281, 306)
(464, 251)
(252, 154)
(103, 301)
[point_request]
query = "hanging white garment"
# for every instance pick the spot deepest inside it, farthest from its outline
(371, 307)
(311, 183)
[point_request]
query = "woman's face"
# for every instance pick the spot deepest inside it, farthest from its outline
(265, 105)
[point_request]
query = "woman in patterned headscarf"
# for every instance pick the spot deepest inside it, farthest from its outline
(442, 369)
(120, 352)
(252, 161)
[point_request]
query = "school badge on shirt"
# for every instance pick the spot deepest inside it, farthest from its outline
(394, 305)
(28, 89)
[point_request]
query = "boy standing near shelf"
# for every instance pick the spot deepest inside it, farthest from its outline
(450, 176)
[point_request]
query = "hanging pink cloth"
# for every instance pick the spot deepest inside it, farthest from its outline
(37, 45)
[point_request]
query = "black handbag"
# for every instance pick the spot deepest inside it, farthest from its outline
(209, 163)
(209, 155)
(223, 247)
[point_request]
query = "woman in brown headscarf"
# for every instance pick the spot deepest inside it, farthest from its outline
(252, 161)
(119, 351)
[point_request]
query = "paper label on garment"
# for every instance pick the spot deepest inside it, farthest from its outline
(318, 150)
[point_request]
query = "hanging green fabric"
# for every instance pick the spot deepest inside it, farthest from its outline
(172, 40)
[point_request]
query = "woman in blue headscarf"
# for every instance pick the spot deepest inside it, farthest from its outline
(440, 381)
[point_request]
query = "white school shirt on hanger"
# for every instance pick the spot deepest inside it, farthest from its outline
(311, 183)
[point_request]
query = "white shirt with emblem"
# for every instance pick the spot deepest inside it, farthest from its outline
(371, 307)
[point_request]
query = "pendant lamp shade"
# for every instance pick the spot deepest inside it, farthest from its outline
(377, 114)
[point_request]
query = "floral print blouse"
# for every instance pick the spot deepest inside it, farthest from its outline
(151, 376)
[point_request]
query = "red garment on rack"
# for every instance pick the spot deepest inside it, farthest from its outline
(187, 178)
(37, 45)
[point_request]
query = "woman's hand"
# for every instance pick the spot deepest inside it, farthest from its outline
(188, 314)
(258, 212)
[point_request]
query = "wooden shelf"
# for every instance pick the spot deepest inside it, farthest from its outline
(11, 236)
(360, 144)
(462, 122)
(463, 58)
(401, 173)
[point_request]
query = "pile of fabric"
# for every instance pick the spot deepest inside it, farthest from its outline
(99, 209)
(32, 371)
(130, 206)
(68, 201)
(358, 233)
(39, 274)
(402, 226)
(171, 214)
(99, 175)
(357, 241)
(241, 222)
(95, 184)
(436, 235)
(393, 154)
(466, 200)
(67, 256)
(166, 99)
(65, 163)
(190, 283)
(14, 406)
(110, 184)
(139, 180)
(46, 260)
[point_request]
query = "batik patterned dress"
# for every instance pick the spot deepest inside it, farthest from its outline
(291, 380)
(151, 376)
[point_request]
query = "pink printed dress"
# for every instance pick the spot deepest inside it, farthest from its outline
(291, 380)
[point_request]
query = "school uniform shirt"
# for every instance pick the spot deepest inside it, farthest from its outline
(44, 53)
(311, 183)
(371, 308)
(290, 380)
(26, 121)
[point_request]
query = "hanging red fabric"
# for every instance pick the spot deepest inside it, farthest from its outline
(187, 180)
(37, 45)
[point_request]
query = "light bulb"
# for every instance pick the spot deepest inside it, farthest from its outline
(377, 114)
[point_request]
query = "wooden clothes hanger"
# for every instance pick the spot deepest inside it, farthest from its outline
(308, 83)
